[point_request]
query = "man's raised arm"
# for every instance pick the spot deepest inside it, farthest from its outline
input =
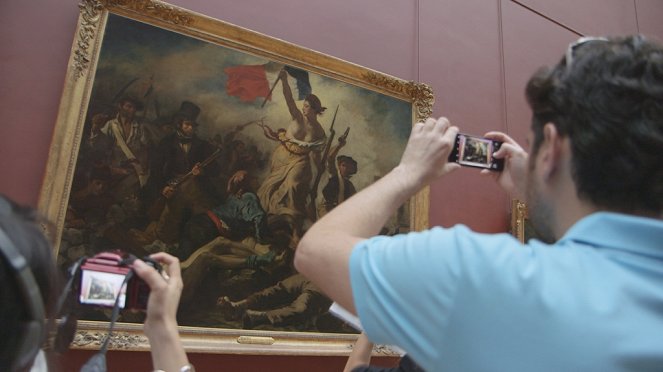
(323, 254)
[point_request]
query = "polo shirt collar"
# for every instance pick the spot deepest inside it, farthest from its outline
(635, 234)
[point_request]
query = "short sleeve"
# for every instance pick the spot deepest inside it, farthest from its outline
(405, 286)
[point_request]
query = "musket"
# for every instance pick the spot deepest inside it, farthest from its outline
(126, 86)
(157, 207)
(178, 180)
(119, 94)
(325, 154)
(345, 134)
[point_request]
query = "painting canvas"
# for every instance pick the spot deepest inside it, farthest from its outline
(219, 154)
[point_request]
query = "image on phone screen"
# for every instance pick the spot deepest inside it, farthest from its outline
(476, 152)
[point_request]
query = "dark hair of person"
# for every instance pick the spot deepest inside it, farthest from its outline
(315, 103)
(21, 224)
(138, 105)
(609, 103)
(348, 160)
(178, 120)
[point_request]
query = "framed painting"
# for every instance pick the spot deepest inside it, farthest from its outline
(185, 134)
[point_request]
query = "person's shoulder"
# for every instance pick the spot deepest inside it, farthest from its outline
(472, 255)
(203, 143)
(168, 140)
(465, 238)
(170, 137)
(107, 127)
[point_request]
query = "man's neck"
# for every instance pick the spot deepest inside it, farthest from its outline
(125, 121)
(569, 212)
(568, 207)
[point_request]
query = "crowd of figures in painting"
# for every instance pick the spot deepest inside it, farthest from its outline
(230, 200)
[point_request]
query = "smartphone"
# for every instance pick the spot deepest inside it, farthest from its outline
(473, 151)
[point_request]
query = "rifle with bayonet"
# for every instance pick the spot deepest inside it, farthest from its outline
(321, 166)
(175, 182)
(160, 203)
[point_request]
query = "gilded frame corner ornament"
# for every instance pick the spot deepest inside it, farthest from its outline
(420, 93)
(90, 15)
(157, 9)
(71, 121)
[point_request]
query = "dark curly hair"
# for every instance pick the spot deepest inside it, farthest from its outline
(609, 103)
(21, 225)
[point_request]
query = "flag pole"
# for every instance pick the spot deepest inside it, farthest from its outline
(270, 91)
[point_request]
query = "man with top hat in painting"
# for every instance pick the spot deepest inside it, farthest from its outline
(180, 177)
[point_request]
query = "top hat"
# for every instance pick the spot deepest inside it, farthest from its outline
(188, 111)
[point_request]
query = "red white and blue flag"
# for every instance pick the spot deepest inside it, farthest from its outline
(248, 82)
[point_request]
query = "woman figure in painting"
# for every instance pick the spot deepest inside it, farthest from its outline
(287, 187)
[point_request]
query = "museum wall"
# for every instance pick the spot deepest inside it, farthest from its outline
(476, 54)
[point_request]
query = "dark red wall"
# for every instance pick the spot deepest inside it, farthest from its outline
(476, 54)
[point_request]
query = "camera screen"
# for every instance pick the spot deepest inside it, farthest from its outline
(475, 151)
(101, 289)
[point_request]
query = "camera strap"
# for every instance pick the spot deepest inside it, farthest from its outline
(66, 293)
(65, 310)
(97, 363)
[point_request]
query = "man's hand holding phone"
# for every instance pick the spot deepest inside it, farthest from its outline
(436, 147)
(476, 152)
(427, 151)
(514, 176)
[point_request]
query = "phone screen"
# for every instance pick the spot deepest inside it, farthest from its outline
(101, 289)
(476, 152)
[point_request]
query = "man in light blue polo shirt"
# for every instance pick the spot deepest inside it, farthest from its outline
(588, 296)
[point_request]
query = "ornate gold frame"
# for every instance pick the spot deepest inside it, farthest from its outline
(69, 128)
(518, 216)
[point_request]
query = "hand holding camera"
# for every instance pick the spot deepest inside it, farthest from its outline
(166, 288)
(161, 324)
(121, 281)
(107, 279)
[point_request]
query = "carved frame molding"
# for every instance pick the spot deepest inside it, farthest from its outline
(69, 128)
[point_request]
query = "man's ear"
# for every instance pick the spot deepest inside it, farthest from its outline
(550, 151)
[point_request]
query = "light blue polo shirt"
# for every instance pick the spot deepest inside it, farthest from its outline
(457, 300)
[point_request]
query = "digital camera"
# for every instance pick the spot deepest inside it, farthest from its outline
(101, 279)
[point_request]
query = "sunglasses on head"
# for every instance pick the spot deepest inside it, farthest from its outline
(576, 44)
